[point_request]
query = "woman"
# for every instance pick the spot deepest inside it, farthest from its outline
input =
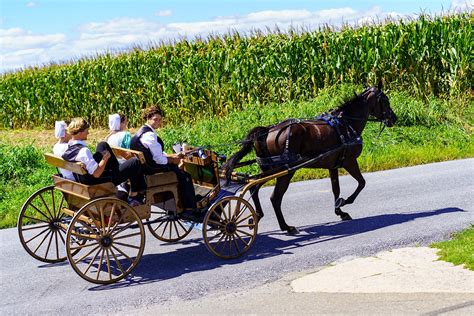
(146, 141)
(119, 136)
(103, 166)
(60, 147)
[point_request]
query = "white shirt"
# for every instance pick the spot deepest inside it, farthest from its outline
(116, 139)
(150, 140)
(85, 156)
(58, 150)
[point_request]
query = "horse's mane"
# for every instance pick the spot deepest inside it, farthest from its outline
(348, 102)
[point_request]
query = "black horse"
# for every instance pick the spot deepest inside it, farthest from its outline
(334, 138)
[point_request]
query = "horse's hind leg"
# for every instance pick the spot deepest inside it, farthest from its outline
(336, 190)
(256, 200)
(281, 186)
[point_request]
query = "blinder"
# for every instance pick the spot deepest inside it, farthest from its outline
(381, 99)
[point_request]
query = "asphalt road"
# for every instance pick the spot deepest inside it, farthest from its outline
(401, 207)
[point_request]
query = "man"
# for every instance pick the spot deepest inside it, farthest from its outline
(146, 141)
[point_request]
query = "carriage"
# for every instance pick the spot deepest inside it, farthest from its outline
(103, 237)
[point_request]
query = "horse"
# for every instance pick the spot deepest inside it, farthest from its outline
(330, 141)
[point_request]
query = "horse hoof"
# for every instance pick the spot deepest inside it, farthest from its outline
(292, 230)
(346, 217)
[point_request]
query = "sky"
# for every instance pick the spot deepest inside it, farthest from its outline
(40, 32)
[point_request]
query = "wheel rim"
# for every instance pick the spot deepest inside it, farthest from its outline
(100, 246)
(42, 225)
(230, 227)
(168, 227)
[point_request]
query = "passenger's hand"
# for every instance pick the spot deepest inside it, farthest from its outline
(105, 155)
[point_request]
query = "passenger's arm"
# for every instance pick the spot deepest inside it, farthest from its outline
(93, 168)
(150, 141)
(101, 165)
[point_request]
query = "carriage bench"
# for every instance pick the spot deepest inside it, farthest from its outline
(77, 194)
(103, 237)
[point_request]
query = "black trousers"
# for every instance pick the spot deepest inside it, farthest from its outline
(115, 172)
(185, 183)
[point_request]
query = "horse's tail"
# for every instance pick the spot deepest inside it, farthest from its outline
(247, 145)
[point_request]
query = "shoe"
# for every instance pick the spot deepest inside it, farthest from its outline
(135, 201)
(192, 215)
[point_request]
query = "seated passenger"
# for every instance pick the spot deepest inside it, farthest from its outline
(60, 147)
(119, 136)
(146, 141)
(103, 166)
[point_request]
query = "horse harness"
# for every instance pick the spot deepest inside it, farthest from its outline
(347, 137)
(287, 157)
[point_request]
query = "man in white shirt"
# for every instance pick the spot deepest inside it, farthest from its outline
(146, 141)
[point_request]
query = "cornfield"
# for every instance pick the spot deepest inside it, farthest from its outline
(189, 79)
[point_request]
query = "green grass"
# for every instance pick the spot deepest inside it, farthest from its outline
(23, 172)
(427, 131)
(459, 249)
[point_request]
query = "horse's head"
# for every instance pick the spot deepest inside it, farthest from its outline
(379, 105)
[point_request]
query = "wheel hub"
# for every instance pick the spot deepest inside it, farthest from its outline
(106, 241)
(54, 225)
(230, 228)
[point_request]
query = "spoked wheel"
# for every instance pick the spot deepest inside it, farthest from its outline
(100, 243)
(168, 227)
(230, 227)
(41, 225)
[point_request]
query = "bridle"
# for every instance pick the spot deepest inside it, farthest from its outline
(383, 120)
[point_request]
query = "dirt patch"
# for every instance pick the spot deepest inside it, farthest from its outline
(43, 138)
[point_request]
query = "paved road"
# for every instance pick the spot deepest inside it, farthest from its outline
(398, 208)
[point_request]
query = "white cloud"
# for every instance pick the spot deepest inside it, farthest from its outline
(18, 39)
(462, 4)
(30, 4)
(164, 13)
(118, 33)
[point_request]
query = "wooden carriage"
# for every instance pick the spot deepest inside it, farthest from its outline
(103, 237)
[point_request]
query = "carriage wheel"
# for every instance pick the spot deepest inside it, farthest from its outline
(41, 225)
(230, 227)
(99, 244)
(167, 227)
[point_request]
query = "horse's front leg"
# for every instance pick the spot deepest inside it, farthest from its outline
(336, 190)
(353, 168)
(256, 200)
(281, 186)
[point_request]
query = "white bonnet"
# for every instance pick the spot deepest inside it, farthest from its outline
(114, 122)
(60, 129)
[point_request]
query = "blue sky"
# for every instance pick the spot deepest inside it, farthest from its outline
(37, 32)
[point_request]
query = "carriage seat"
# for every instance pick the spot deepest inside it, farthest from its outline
(154, 180)
(126, 153)
(74, 188)
(161, 178)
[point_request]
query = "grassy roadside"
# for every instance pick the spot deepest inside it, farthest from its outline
(459, 249)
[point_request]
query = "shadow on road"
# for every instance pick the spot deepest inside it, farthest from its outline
(195, 256)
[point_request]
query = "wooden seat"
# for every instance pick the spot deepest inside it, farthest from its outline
(87, 192)
(73, 188)
(58, 162)
(128, 153)
(162, 178)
